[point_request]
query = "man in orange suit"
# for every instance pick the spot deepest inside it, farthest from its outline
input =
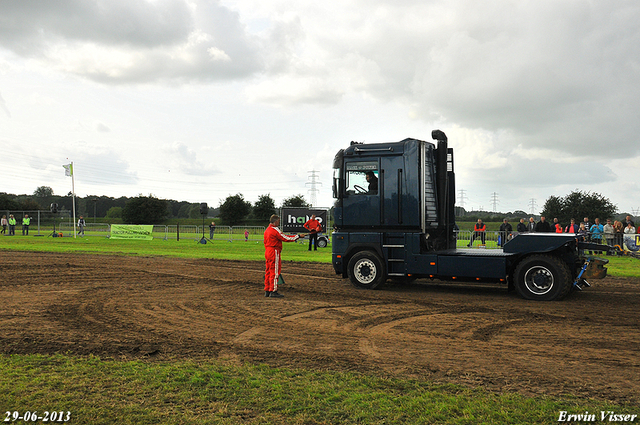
(273, 238)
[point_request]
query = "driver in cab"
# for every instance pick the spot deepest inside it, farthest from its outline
(373, 183)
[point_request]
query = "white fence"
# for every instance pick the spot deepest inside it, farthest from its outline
(226, 233)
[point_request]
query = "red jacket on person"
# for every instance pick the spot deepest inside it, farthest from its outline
(572, 228)
(273, 238)
(478, 228)
(313, 225)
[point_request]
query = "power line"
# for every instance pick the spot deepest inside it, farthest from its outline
(494, 200)
(312, 189)
(532, 204)
(462, 195)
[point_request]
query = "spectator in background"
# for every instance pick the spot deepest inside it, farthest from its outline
(608, 234)
(81, 225)
(556, 226)
(630, 229)
(596, 231)
(628, 220)
(531, 226)
(4, 223)
(582, 232)
(618, 234)
(26, 221)
(505, 232)
(212, 229)
(246, 235)
(479, 230)
(313, 226)
(543, 226)
(12, 225)
(573, 227)
(587, 225)
(522, 227)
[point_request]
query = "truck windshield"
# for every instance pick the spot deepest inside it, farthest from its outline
(362, 178)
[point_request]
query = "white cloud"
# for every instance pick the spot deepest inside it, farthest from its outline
(3, 106)
(536, 97)
(132, 41)
(185, 160)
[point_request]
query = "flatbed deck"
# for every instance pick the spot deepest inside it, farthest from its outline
(475, 252)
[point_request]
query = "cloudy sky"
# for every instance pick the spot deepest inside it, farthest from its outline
(196, 100)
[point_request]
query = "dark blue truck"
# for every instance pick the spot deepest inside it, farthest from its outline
(395, 219)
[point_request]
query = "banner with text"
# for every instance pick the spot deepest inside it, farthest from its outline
(292, 219)
(132, 231)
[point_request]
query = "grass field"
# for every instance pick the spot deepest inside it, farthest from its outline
(106, 391)
(101, 391)
(188, 247)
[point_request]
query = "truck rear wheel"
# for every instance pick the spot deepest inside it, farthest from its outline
(542, 278)
(366, 270)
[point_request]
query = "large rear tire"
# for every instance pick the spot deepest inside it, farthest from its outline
(542, 278)
(366, 270)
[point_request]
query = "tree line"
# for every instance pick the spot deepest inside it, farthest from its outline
(235, 209)
(147, 209)
(577, 204)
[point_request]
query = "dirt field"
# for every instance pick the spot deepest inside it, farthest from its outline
(158, 308)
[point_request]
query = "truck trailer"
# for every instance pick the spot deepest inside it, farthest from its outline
(394, 218)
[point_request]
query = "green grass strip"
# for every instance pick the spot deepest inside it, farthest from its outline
(97, 391)
(219, 249)
(184, 248)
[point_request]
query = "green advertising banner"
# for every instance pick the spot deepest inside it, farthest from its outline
(132, 231)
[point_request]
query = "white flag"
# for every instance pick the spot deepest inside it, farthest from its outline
(68, 170)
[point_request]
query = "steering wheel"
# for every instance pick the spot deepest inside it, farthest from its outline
(359, 189)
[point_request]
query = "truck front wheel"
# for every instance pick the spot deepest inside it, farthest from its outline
(542, 278)
(366, 270)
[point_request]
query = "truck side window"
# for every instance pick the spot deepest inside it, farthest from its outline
(362, 178)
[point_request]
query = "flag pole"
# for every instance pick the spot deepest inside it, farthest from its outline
(73, 193)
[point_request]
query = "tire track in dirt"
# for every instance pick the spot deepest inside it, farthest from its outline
(477, 335)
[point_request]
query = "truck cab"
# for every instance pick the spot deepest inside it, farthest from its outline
(394, 217)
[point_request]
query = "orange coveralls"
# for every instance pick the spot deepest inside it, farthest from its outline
(273, 238)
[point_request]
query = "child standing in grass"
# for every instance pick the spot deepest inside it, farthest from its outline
(246, 235)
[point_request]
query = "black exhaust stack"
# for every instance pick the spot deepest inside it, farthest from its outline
(445, 200)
